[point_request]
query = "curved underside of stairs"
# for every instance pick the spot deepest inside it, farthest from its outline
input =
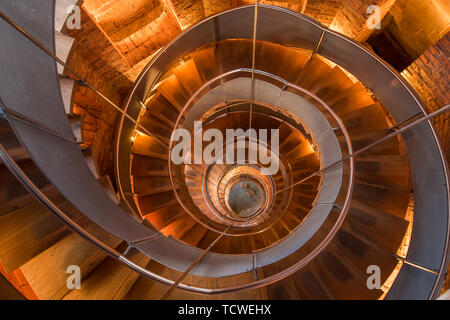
(325, 94)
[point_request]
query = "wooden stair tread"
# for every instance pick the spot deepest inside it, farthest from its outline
(188, 76)
(111, 280)
(28, 231)
(71, 250)
(150, 203)
(205, 62)
(195, 235)
(148, 146)
(382, 227)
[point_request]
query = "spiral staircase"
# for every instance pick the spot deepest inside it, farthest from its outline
(362, 178)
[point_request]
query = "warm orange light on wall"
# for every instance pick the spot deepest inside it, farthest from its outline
(311, 148)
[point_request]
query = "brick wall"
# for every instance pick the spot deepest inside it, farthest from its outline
(192, 11)
(189, 11)
(323, 11)
(96, 60)
(346, 16)
(136, 28)
(429, 77)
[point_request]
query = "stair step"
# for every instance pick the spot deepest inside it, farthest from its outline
(303, 202)
(369, 118)
(71, 250)
(390, 200)
(148, 146)
(233, 54)
(173, 91)
(146, 289)
(363, 139)
(28, 231)
(310, 195)
(298, 210)
(156, 127)
(163, 217)
(267, 57)
(351, 99)
(285, 289)
(363, 253)
(61, 13)
(270, 236)
(291, 60)
(387, 230)
(280, 230)
(188, 76)
(312, 73)
(64, 47)
(143, 185)
(7, 136)
(11, 190)
(289, 221)
(111, 280)
(162, 109)
(291, 142)
(383, 170)
(207, 239)
(148, 166)
(312, 285)
(342, 276)
(26, 200)
(195, 235)
(205, 63)
(151, 203)
(179, 227)
(18, 154)
(308, 161)
(333, 84)
(67, 86)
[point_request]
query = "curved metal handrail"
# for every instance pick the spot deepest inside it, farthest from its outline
(285, 83)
